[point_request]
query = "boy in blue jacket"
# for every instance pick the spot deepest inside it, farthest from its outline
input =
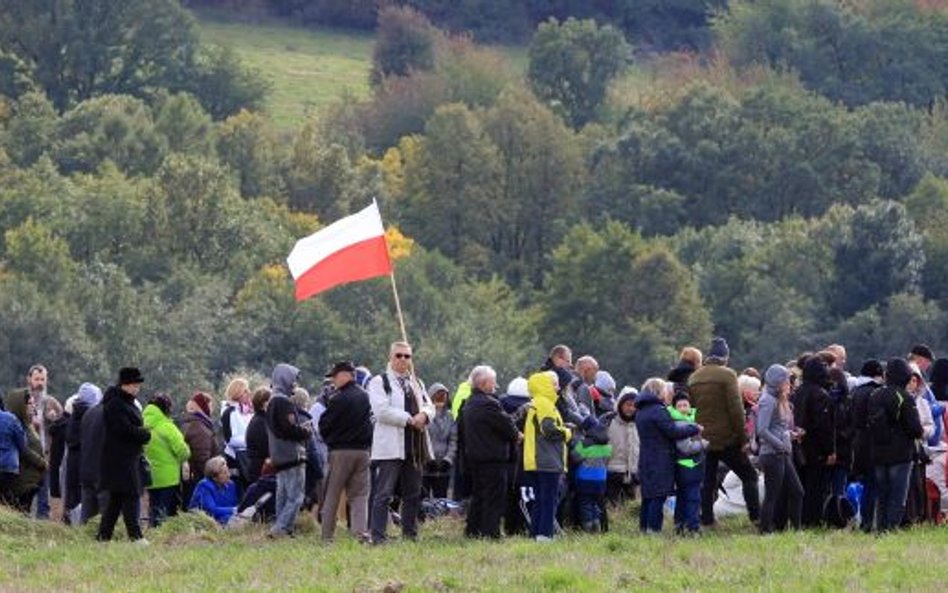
(689, 471)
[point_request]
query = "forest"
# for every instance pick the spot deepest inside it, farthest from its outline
(776, 173)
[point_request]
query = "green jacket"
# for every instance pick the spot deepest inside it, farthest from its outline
(32, 461)
(166, 450)
(713, 392)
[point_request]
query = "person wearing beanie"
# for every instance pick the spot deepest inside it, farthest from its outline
(814, 413)
(622, 469)
(121, 473)
(198, 430)
(166, 452)
(894, 426)
(689, 473)
(515, 402)
(714, 393)
(871, 377)
(775, 433)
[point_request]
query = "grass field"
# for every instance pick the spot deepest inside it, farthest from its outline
(187, 554)
(306, 68)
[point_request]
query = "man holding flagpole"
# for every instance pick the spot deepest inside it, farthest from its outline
(400, 445)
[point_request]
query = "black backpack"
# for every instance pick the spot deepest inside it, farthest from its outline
(882, 426)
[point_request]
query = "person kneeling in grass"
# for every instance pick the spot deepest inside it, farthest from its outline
(216, 494)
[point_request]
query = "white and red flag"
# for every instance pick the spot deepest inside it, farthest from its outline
(348, 250)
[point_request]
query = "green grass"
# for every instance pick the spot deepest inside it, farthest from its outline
(306, 68)
(188, 554)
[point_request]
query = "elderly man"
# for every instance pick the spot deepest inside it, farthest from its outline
(400, 445)
(487, 438)
(346, 427)
(588, 395)
(37, 380)
(715, 395)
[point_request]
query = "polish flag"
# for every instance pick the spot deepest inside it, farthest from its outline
(348, 250)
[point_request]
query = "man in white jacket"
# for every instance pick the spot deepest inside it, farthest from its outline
(400, 445)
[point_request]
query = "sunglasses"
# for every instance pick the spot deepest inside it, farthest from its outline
(402, 355)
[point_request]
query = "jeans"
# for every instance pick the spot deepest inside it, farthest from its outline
(781, 486)
(126, 504)
(688, 497)
(162, 503)
(388, 473)
(735, 458)
(42, 498)
(867, 504)
(892, 483)
(546, 486)
(652, 514)
(289, 498)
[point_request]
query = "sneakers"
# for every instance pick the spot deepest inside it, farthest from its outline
(542, 539)
(142, 542)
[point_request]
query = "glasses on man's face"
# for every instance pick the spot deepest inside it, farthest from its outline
(403, 355)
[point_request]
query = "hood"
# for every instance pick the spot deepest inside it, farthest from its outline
(541, 386)
(283, 378)
(89, 394)
(679, 417)
(518, 388)
(152, 416)
(435, 388)
(15, 402)
(816, 371)
(629, 396)
(681, 373)
(897, 372)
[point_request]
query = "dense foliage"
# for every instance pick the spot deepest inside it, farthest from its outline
(145, 221)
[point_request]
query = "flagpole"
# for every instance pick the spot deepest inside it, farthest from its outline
(398, 308)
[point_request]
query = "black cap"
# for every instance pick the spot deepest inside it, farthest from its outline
(923, 350)
(343, 365)
(130, 376)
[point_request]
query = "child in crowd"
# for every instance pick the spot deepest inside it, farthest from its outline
(591, 455)
(689, 470)
(443, 433)
(623, 467)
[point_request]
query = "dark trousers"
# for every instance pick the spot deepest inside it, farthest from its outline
(688, 497)
(618, 490)
(436, 485)
(546, 486)
(736, 460)
(126, 504)
(651, 515)
(162, 503)
(514, 521)
(892, 484)
(488, 499)
(385, 475)
(23, 502)
(867, 503)
(6, 488)
(816, 487)
(781, 487)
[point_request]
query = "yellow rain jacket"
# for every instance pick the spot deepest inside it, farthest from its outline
(545, 435)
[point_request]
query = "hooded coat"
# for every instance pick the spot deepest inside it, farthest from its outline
(624, 439)
(166, 450)
(286, 438)
(125, 436)
(894, 443)
(545, 435)
(658, 434)
(813, 411)
(32, 463)
(12, 442)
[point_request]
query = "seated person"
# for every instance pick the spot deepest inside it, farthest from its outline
(261, 496)
(216, 494)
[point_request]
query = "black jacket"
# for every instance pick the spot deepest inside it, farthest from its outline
(897, 444)
(56, 433)
(485, 433)
(347, 421)
(862, 438)
(93, 438)
(125, 436)
(813, 411)
(258, 445)
(74, 447)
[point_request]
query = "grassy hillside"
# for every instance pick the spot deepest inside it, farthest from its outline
(307, 68)
(187, 554)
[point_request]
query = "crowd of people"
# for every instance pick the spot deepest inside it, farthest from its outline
(804, 444)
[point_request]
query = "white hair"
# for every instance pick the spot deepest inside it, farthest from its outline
(480, 374)
(745, 382)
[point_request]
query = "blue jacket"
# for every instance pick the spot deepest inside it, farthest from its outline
(217, 501)
(12, 443)
(657, 436)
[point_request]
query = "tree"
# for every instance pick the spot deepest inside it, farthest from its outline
(185, 125)
(452, 188)
(222, 83)
(928, 208)
(635, 327)
(319, 178)
(405, 42)
(571, 66)
(247, 143)
(31, 129)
